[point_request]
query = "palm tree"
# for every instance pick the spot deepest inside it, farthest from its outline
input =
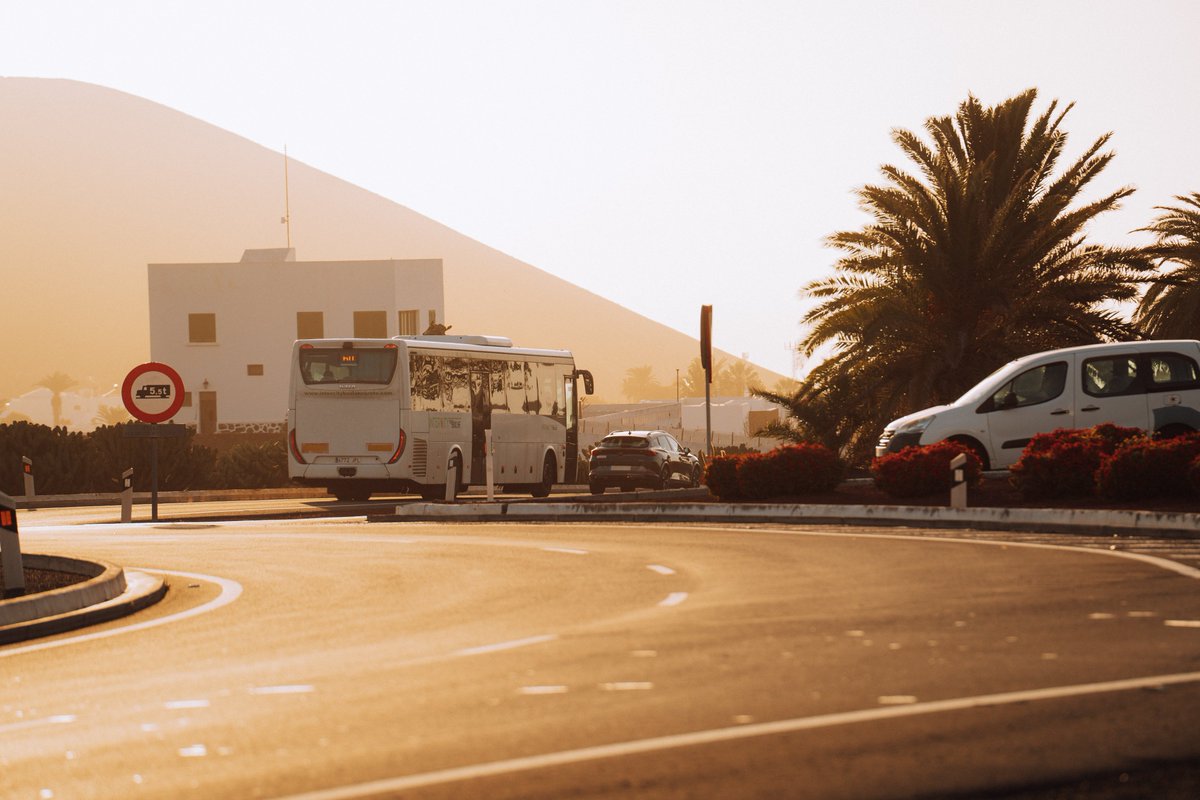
(111, 415)
(1170, 309)
(57, 383)
(639, 384)
(978, 258)
(736, 379)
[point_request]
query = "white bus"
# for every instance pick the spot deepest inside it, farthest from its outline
(408, 414)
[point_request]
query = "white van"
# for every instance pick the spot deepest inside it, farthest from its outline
(1151, 385)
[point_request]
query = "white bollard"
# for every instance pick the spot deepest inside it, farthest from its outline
(127, 496)
(452, 478)
(958, 486)
(27, 468)
(11, 566)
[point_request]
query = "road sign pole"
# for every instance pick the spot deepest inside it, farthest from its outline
(154, 479)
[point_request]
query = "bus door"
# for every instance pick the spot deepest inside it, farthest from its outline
(571, 465)
(481, 420)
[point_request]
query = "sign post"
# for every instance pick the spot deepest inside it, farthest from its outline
(127, 495)
(706, 362)
(11, 566)
(153, 393)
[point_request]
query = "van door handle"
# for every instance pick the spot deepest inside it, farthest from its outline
(1090, 408)
(1058, 412)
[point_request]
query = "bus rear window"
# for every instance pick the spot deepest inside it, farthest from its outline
(345, 365)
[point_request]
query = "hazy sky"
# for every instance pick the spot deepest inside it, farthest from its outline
(661, 154)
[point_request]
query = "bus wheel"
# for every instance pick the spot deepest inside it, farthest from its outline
(548, 474)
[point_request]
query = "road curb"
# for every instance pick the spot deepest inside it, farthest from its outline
(107, 594)
(1092, 521)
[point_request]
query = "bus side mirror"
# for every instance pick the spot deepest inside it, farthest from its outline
(588, 386)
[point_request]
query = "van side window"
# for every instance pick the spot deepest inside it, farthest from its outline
(1038, 385)
(1111, 376)
(1172, 371)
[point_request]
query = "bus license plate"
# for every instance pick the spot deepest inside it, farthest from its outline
(346, 460)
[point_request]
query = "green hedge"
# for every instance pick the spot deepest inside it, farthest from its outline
(66, 462)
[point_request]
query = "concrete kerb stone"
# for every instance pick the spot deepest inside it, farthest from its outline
(105, 595)
(1091, 521)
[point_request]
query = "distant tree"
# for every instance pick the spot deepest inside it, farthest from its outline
(736, 379)
(640, 384)
(692, 383)
(977, 258)
(57, 383)
(111, 415)
(1170, 308)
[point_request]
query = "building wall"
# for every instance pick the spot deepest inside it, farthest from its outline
(255, 304)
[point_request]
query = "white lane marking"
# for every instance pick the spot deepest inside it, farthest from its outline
(642, 746)
(230, 591)
(673, 599)
(193, 751)
(569, 551)
(296, 688)
(58, 719)
(1182, 623)
(175, 705)
(897, 700)
(557, 689)
(660, 569)
(627, 686)
(495, 648)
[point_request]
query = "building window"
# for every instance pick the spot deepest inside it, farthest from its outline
(254, 369)
(202, 328)
(370, 324)
(408, 321)
(310, 325)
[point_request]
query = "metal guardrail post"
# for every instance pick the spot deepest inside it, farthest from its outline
(11, 566)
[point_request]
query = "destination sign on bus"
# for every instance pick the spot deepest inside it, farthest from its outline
(350, 359)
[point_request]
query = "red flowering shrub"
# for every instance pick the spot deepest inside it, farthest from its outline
(1063, 463)
(921, 471)
(788, 471)
(1144, 468)
(720, 476)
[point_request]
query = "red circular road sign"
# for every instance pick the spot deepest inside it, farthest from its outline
(152, 392)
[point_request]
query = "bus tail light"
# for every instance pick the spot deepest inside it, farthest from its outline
(399, 449)
(295, 450)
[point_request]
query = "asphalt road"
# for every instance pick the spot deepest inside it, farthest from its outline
(336, 659)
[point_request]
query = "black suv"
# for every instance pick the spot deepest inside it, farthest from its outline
(647, 459)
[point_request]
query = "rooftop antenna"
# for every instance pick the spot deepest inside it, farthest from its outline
(287, 203)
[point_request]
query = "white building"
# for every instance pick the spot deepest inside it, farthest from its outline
(228, 329)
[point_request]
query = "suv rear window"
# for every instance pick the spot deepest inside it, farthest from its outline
(625, 441)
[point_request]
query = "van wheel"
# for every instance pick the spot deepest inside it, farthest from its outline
(977, 449)
(549, 472)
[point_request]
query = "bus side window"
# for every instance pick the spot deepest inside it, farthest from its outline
(516, 386)
(426, 383)
(532, 401)
(456, 390)
(499, 396)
